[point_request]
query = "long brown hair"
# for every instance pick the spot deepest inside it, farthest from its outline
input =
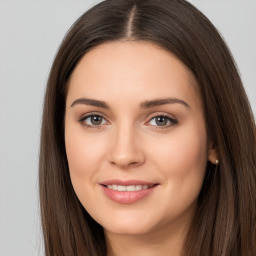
(225, 220)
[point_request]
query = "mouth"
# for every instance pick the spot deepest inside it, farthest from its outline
(127, 192)
(130, 188)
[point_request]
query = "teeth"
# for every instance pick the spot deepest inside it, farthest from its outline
(128, 188)
(121, 188)
(138, 187)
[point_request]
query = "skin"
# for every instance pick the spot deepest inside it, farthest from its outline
(130, 144)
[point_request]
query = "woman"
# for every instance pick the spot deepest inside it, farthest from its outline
(148, 139)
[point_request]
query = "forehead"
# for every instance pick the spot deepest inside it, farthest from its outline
(124, 69)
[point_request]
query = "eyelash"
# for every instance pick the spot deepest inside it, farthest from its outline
(170, 119)
(82, 120)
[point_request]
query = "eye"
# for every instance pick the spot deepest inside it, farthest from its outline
(93, 120)
(162, 121)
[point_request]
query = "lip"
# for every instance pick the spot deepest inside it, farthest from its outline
(127, 197)
(127, 182)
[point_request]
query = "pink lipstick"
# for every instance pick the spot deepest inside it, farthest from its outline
(127, 192)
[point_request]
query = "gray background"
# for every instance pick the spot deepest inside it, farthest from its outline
(30, 33)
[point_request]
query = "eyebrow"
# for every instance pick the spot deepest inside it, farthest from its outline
(144, 104)
(159, 102)
(91, 102)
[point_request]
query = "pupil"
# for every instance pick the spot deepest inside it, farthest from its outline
(161, 120)
(96, 120)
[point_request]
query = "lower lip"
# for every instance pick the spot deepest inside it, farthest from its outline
(127, 197)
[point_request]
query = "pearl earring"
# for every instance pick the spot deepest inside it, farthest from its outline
(217, 162)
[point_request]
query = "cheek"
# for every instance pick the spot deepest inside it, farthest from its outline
(182, 158)
(186, 146)
(84, 154)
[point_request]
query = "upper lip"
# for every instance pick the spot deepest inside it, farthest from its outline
(127, 182)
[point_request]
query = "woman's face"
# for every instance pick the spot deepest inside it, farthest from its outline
(135, 138)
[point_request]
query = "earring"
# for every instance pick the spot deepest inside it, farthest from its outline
(217, 162)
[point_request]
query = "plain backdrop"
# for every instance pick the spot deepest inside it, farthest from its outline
(30, 33)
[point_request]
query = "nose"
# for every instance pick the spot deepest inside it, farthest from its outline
(126, 148)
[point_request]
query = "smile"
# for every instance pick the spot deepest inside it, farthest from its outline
(128, 188)
(127, 192)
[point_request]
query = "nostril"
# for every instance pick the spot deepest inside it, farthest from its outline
(133, 163)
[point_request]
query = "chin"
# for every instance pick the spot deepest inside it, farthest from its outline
(128, 230)
(130, 226)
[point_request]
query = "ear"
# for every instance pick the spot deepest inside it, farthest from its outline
(213, 154)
